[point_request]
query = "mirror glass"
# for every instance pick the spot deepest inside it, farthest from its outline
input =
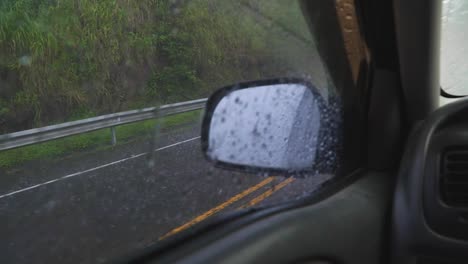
(271, 127)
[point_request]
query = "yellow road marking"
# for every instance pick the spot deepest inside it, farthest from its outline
(266, 194)
(218, 208)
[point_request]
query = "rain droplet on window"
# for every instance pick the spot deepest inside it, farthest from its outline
(176, 11)
(25, 60)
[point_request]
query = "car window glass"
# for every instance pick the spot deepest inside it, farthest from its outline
(114, 163)
(453, 50)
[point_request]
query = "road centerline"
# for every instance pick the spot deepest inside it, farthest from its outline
(218, 208)
(94, 169)
(267, 193)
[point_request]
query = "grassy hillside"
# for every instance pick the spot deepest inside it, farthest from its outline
(68, 59)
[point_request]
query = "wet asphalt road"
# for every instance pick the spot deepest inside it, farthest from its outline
(92, 207)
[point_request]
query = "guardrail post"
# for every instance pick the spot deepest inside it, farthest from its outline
(43, 134)
(114, 138)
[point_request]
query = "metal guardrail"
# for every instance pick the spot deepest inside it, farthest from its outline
(42, 134)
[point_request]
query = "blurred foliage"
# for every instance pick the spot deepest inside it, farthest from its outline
(66, 59)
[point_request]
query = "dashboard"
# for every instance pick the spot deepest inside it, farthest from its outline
(430, 210)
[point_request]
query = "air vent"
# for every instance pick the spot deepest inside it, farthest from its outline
(454, 177)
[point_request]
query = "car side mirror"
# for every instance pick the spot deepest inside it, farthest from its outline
(271, 126)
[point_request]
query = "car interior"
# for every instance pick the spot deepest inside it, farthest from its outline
(401, 196)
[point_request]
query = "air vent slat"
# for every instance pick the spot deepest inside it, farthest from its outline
(449, 180)
(457, 156)
(454, 184)
(457, 192)
(458, 172)
(457, 196)
(457, 167)
(454, 177)
(449, 161)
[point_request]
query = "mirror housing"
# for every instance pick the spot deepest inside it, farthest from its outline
(271, 126)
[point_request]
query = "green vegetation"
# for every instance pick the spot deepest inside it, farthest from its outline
(61, 59)
(94, 140)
